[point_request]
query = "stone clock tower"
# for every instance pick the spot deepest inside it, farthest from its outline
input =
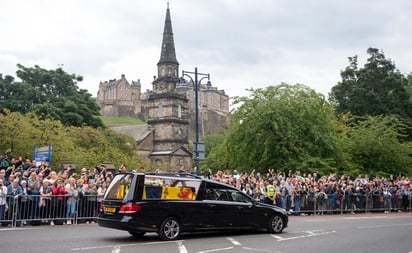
(168, 109)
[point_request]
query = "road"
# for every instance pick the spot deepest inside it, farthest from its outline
(386, 233)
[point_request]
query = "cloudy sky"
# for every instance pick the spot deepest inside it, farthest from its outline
(241, 43)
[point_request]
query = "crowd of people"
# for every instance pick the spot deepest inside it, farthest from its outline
(308, 194)
(36, 192)
(31, 191)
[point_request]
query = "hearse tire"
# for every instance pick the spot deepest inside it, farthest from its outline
(170, 229)
(276, 224)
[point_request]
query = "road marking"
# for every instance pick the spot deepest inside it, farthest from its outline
(233, 241)
(277, 237)
(122, 245)
(310, 234)
(261, 250)
(215, 250)
(116, 249)
(182, 248)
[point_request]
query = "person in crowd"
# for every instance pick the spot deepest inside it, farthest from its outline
(84, 176)
(3, 201)
(14, 191)
(52, 177)
(58, 201)
(282, 194)
(24, 202)
(248, 190)
(3, 177)
(72, 195)
(45, 202)
(34, 184)
(387, 200)
(90, 193)
(269, 193)
(101, 190)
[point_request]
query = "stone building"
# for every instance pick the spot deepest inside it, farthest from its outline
(169, 107)
(119, 98)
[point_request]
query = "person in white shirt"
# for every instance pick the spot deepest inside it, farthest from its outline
(3, 202)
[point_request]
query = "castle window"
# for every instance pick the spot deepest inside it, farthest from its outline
(179, 111)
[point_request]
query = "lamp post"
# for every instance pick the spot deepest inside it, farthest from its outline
(196, 84)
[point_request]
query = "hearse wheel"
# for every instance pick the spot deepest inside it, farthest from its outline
(276, 224)
(136, 234)
(170, 229)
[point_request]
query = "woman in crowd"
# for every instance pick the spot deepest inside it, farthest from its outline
(45, 203)
(72, 194)
(58, 192)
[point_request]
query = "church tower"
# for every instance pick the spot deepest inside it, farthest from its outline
(168, 109)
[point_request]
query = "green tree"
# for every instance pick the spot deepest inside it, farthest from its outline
(52, 93)
(282, 126)
(84, 146)
(374, 147)
(376, 89)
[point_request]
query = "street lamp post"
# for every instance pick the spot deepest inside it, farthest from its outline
(196, 84)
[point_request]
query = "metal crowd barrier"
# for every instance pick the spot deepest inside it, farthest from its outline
(320, 204)
(51, 210)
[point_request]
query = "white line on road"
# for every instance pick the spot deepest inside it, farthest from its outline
(277, 237)
(182, 248)
(116, 249)
(122, 245)
(310, 234)
(215, 250)
(233, 241)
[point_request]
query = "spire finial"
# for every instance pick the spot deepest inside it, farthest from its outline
(168, 5)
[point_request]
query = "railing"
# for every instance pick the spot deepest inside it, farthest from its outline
(319, 204)
(52, 210)
(36, 210)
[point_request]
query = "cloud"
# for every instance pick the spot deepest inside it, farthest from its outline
(242, 44)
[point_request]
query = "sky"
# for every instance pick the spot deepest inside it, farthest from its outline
(242, 44)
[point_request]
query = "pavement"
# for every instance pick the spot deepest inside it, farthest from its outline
(359, 215)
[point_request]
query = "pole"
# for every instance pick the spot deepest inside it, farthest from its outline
(196, 121)
(196, 84)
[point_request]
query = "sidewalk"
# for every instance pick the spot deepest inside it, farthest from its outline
(348, 215)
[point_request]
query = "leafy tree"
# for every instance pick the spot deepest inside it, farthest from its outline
(213, 142)
(374, 146)
(282, 127)
(376, 89)
(50, 92)
(84, 146)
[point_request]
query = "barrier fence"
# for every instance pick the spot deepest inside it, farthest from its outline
(37, 210)
(321, 203)
(52, 210)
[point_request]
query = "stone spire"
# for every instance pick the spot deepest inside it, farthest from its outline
(168, 53)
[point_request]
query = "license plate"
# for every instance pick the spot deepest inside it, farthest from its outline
(109, 209)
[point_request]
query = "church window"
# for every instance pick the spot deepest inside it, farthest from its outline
(179, 111)
(160, 111)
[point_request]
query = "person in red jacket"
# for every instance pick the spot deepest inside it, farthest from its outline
(59, 201)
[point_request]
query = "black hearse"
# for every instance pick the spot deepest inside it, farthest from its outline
(171, 204)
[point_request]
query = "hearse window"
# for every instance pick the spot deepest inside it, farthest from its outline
(119, 187)
(170, 188)
(239, 197)
(216, 193)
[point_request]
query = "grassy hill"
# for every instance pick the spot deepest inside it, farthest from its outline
(120, 121)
